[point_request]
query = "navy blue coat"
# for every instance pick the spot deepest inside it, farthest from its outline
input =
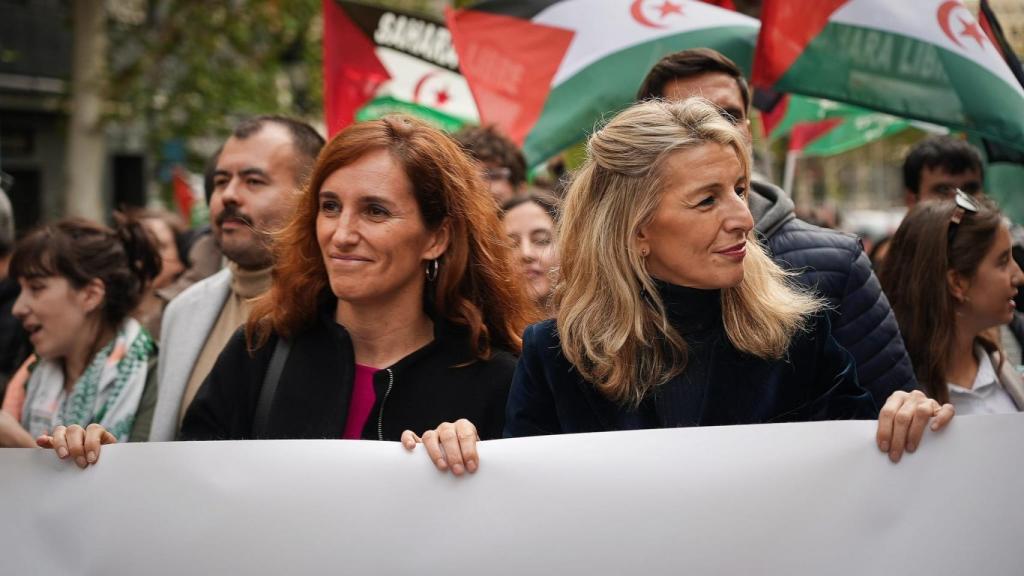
(834, 265)
(817, 381)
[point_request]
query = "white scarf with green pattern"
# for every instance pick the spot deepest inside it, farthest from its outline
(107, 393)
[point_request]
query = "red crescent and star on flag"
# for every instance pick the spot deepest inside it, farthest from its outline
(969, 28)
(664, 9)
(441, 94)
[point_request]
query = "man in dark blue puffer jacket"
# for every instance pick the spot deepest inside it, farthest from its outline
(831, 262)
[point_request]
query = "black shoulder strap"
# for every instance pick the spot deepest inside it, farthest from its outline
(270, 381)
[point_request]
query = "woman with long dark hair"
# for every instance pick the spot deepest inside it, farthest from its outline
(80, 281)
(530, 223)
(951, 278)
(164, 228)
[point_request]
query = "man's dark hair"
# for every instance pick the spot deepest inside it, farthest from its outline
(305, 138)
(489, 146)
(210, 174)
(952, 155)
(687, 63)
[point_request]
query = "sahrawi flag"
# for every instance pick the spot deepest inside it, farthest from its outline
(819, 127)
(379, 61)
(547, 71)
(923, 59)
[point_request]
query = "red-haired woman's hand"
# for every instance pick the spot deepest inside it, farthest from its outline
(80, 444)
(451, 446)
(902, 421)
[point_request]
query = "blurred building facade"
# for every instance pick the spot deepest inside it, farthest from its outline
(35, 65)
(35, 69)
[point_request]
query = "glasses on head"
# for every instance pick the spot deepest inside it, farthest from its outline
(496, 174)
(964, 205)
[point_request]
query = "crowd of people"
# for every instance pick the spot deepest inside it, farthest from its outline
(399, 283)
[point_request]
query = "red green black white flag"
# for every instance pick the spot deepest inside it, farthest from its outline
(818, 127)
(547, 71)
(379, 61)
(928, 60)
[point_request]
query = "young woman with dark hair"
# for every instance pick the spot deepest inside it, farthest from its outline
(80, 281)
(165, 228)
(530, 224)
(951, 278)
(393, 306)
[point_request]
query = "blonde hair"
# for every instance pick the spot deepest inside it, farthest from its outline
(611, 320)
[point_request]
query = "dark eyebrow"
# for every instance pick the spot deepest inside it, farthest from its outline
(328, 194)
(378, 199)
(252, 171)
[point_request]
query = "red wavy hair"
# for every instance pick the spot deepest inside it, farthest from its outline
(477, 285)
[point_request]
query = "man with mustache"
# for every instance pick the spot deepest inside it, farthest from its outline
(261, 166)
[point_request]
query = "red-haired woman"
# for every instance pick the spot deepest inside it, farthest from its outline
(394, 303)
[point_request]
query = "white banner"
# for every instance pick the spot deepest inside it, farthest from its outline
(778, 499)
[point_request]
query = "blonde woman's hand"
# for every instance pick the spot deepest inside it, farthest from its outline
(451, 446)
(902, 421)
(80, 444)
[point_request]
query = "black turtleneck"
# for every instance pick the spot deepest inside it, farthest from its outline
(697, 316)
(721, 385)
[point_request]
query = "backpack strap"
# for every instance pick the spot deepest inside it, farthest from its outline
(270, 382)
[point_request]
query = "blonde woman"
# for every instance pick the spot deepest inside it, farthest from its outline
(669, 311)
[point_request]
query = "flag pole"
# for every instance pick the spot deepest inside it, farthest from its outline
(790, 173)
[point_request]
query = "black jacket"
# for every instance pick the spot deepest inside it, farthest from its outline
(14, 343)
(816, 381)
(437, 383)
(834, 265)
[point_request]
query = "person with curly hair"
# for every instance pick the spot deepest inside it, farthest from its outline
(502, 163)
